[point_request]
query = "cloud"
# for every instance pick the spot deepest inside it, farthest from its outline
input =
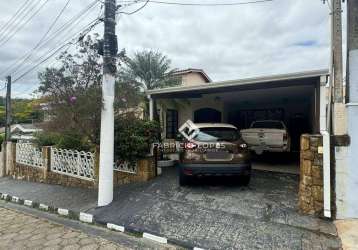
(233, 42)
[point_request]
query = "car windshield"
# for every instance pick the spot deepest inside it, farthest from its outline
(268, 124)
(215, 134)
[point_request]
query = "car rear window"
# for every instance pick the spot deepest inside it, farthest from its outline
(268, 124)
(217, 134)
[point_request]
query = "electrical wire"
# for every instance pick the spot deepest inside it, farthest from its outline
(55, 51)
(19, 19)
(137, 10)
(43, 37)
(56, 34)
(204, 4)
(18, 12)
(24, 24)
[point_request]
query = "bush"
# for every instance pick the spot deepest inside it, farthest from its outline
(133, 138)
(47, 139)
(68, 140)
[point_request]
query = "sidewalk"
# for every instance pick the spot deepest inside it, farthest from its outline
(220, 216)
(348, 232)
(76, 199)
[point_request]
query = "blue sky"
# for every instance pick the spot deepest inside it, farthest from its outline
(276, 37)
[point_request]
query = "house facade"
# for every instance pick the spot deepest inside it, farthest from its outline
(300, 100)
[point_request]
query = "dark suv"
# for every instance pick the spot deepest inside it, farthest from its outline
(215, 149)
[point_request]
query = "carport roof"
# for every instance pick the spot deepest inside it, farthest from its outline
(282, 80)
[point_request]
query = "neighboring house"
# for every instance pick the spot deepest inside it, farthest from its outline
(191, 77)
(24, 132)
(45, 107)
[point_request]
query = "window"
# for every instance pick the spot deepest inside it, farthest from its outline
(171, 124)
(268, 124)
(216, 134)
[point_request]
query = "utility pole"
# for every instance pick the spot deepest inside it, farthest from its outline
(337, 50)
(106, 159)
(8, 110)
(351, 206)
(339, 109)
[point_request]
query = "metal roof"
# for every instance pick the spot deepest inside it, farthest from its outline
(240, 82)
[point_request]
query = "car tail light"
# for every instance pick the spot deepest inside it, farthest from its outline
(285, 137)
(190, 145)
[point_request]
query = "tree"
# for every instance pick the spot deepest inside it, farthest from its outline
(73, 92)
(150, 70)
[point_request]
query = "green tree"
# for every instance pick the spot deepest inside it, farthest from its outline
(73, 91)
(150, 70)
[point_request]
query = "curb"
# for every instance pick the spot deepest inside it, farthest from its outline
(90, 219)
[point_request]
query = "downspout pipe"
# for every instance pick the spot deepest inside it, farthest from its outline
(325, 110)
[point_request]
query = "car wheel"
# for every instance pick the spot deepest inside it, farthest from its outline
(245, 180)
(183, 179)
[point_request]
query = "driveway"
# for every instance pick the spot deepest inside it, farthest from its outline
(220, 214)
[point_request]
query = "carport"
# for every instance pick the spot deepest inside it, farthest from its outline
(293, 98)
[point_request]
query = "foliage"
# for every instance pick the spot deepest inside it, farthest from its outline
(23, 111)
(74, 92)
(133, 137)
(2, 138)
(66, 140)
(150, 70)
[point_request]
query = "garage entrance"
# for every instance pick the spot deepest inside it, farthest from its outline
(292, 99)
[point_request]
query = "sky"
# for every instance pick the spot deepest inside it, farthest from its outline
(227, 42)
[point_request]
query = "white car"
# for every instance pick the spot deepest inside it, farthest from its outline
(267, 135)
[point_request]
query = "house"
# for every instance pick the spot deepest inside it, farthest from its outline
(24, 132)
(191, 77)
(293, 98)
(299, 99)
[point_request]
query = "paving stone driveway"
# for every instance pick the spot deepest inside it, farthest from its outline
(219, 214)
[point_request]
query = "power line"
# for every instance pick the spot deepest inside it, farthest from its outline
(18, 19)
(55, 51)
(203, 4)
(137, 10)
(6, 24)
(66, 26)
(45, 35)
(23, 24)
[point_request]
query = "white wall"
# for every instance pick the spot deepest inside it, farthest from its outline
(187, 107)
(347, 175)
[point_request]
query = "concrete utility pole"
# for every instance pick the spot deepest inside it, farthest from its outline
(351, 210)
(337, 50)
(106, 159)
(339, 117)
(8, 110)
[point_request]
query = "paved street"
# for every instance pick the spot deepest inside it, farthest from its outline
(220, 214)
(215, 213)
(20, 230)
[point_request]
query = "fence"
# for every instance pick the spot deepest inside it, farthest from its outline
(72, 168)
(28, 154)
(126, 167)
(78, 164)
